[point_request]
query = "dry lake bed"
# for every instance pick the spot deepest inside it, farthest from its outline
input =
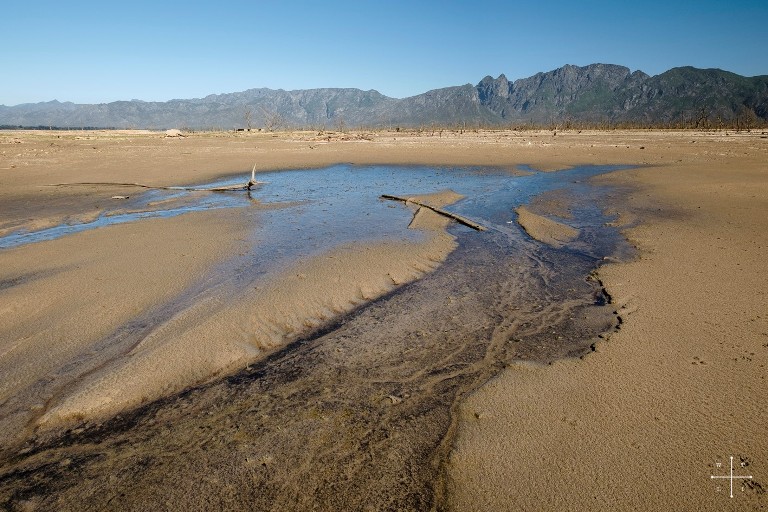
(600, 343)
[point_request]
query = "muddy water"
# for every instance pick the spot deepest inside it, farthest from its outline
(358, 416)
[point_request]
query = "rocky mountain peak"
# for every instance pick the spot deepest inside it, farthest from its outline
(593, 93)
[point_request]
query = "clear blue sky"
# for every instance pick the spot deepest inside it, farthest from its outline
(92, 52)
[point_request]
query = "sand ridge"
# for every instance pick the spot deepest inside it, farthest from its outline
(64, 296)
(544, 229)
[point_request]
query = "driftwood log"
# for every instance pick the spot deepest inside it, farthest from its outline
(457, 218)
(230, 188)
(141, 185)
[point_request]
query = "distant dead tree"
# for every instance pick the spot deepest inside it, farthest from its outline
(340, 126)
(746, 118)
(248, 117)
(272, 119)
(702, 119)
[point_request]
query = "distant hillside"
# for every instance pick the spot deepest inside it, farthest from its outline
(598, 93)
(609, 93)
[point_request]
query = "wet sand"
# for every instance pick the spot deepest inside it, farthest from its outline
(425, 428)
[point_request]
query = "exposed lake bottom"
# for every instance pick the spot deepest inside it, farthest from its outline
(360, 413)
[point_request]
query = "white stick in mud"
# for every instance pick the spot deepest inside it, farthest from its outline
(252, 181)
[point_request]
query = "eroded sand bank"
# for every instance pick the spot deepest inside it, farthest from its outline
(212, 339)
(545, 229)
(61, 298)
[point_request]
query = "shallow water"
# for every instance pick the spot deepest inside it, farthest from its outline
(309, 211)
(342, 204)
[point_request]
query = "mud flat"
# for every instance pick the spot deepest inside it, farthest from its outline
(364, 408)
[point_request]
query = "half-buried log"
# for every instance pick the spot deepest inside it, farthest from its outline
(229, 188)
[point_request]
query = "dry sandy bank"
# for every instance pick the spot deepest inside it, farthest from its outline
(60, 299)
(641, 424)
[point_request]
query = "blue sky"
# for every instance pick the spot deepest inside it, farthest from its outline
(92, 52)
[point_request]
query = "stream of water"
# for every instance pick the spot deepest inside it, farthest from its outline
(309, 211)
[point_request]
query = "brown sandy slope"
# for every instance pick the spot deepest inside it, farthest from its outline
(59, 299)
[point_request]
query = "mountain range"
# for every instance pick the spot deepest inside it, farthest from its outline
(594, 94)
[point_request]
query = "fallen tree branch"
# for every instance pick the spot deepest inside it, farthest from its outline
(457, 218)
(151, 187)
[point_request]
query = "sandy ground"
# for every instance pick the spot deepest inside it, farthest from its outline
(642, 423)
(639, 424)
(63, 297)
